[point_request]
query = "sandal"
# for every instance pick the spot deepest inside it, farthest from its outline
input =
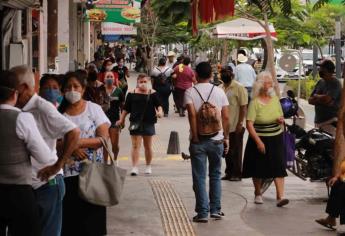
(325, 223)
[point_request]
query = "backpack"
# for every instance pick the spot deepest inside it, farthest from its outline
(162, 78)
(209, 121)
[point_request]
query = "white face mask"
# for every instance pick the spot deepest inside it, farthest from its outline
(271, 92)
(73, 96)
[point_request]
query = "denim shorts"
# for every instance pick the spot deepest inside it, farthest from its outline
(146, 130)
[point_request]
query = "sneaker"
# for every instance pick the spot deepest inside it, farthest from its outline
(217, 216)
(258, 199)
(199, 219)
(282, 202)
(134, 171)
(148, 170)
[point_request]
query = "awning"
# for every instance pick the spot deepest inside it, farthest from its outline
(242, 29)
(20, 4)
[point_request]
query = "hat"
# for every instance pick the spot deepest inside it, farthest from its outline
(242, 58)
(171, 54)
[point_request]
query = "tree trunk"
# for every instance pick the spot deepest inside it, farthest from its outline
(270, 54)
(339, 148)
(225, 54)
(264, 46)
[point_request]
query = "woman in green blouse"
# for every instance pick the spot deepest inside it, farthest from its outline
(264, 155)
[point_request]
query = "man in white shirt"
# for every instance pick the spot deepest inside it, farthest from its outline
(19, 137)
(52, 126)
(245, 73)
(211, 147)
(171, 60)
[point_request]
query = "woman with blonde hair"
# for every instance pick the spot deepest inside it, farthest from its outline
(264, 156)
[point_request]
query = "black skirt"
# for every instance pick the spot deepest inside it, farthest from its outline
(80, 217)
(268, 165)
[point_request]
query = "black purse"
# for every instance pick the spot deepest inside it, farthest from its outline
(138, 126)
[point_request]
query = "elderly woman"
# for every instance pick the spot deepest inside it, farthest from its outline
(264, 154)
(79, 216)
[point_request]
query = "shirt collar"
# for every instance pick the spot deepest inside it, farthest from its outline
(31, 103)
(9, 107)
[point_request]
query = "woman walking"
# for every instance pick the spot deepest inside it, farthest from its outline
(264, 154)
(144, 106)
(79, 216)
(116, 98)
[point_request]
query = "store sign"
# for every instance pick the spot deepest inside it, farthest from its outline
(110, 28)
(119, 11)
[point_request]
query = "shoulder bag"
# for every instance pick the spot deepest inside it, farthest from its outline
(101, 183)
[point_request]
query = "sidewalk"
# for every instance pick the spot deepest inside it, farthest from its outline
(143, 210)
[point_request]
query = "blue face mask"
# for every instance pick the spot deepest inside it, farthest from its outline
(51, 95)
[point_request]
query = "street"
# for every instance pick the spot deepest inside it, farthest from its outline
(139, 213)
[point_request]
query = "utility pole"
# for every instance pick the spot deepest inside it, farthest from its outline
(337, 41)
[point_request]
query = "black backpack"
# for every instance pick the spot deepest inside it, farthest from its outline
(162, 78)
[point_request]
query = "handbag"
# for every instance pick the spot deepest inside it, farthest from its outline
(136, 126)
(289, 140)
(101, 183)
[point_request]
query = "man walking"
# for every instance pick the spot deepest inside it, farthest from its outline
(238, 101)
(52, 126)
(326, 98)
(245, 73)
(208, 115)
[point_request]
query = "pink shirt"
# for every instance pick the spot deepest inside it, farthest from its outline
(184, 80)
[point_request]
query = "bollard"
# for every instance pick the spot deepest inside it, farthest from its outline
(174, 143)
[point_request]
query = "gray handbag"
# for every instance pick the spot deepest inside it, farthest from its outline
(101, 183)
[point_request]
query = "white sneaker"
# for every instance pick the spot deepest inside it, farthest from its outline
(258, 199)
(134, 171)
(148, 170)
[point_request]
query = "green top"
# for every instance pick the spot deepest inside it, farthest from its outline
(265, 116)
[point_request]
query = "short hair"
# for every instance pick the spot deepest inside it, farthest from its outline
(162, 61)
(46, 77)
(83, 73)
(119, 59)
(142, 75)
(186, 61)
(204, 70)
(328, 65)
(24, 75)
(8, 85)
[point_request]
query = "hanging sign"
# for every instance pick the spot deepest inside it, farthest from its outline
(110, 28)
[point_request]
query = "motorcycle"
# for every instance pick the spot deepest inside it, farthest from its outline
(313, 157)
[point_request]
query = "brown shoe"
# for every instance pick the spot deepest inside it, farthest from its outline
(326, 223)
(282, 202)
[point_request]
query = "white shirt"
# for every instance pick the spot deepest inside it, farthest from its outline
(52, 126)
(170, 65)
(158, 70)
(245, 74)
(217, 98)
(26, 130)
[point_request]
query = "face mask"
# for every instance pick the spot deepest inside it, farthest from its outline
(109, 81)
(51, 95)
(108, 68)
(143, 86)
(271, 92)
(73, 96)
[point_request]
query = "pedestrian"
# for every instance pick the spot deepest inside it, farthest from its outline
(258, 65)
(185, 78)
(162, 83)
(50, 89)
(123, 74)
(81, 217)
(244, 73)
(20, 138)
(95, 91)
(52, 126)
(264, 153)
(106, 67)
(208, 115)
(238, 101)
(145, 107)
(171, 59)
(179, 61)
(326, 98)
(116, 98)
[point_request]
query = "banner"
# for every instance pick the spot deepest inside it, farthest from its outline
(119, 11)
(110, 28)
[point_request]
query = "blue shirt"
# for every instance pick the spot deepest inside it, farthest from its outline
(245, 74)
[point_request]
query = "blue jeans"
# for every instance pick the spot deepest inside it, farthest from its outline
(200, 152)
(49, 200)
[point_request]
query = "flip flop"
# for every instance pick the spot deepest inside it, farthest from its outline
(325, 224)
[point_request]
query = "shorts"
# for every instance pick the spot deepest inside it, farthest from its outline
(146, 130)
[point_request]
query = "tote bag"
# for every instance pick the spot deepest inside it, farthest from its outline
(101, 183)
